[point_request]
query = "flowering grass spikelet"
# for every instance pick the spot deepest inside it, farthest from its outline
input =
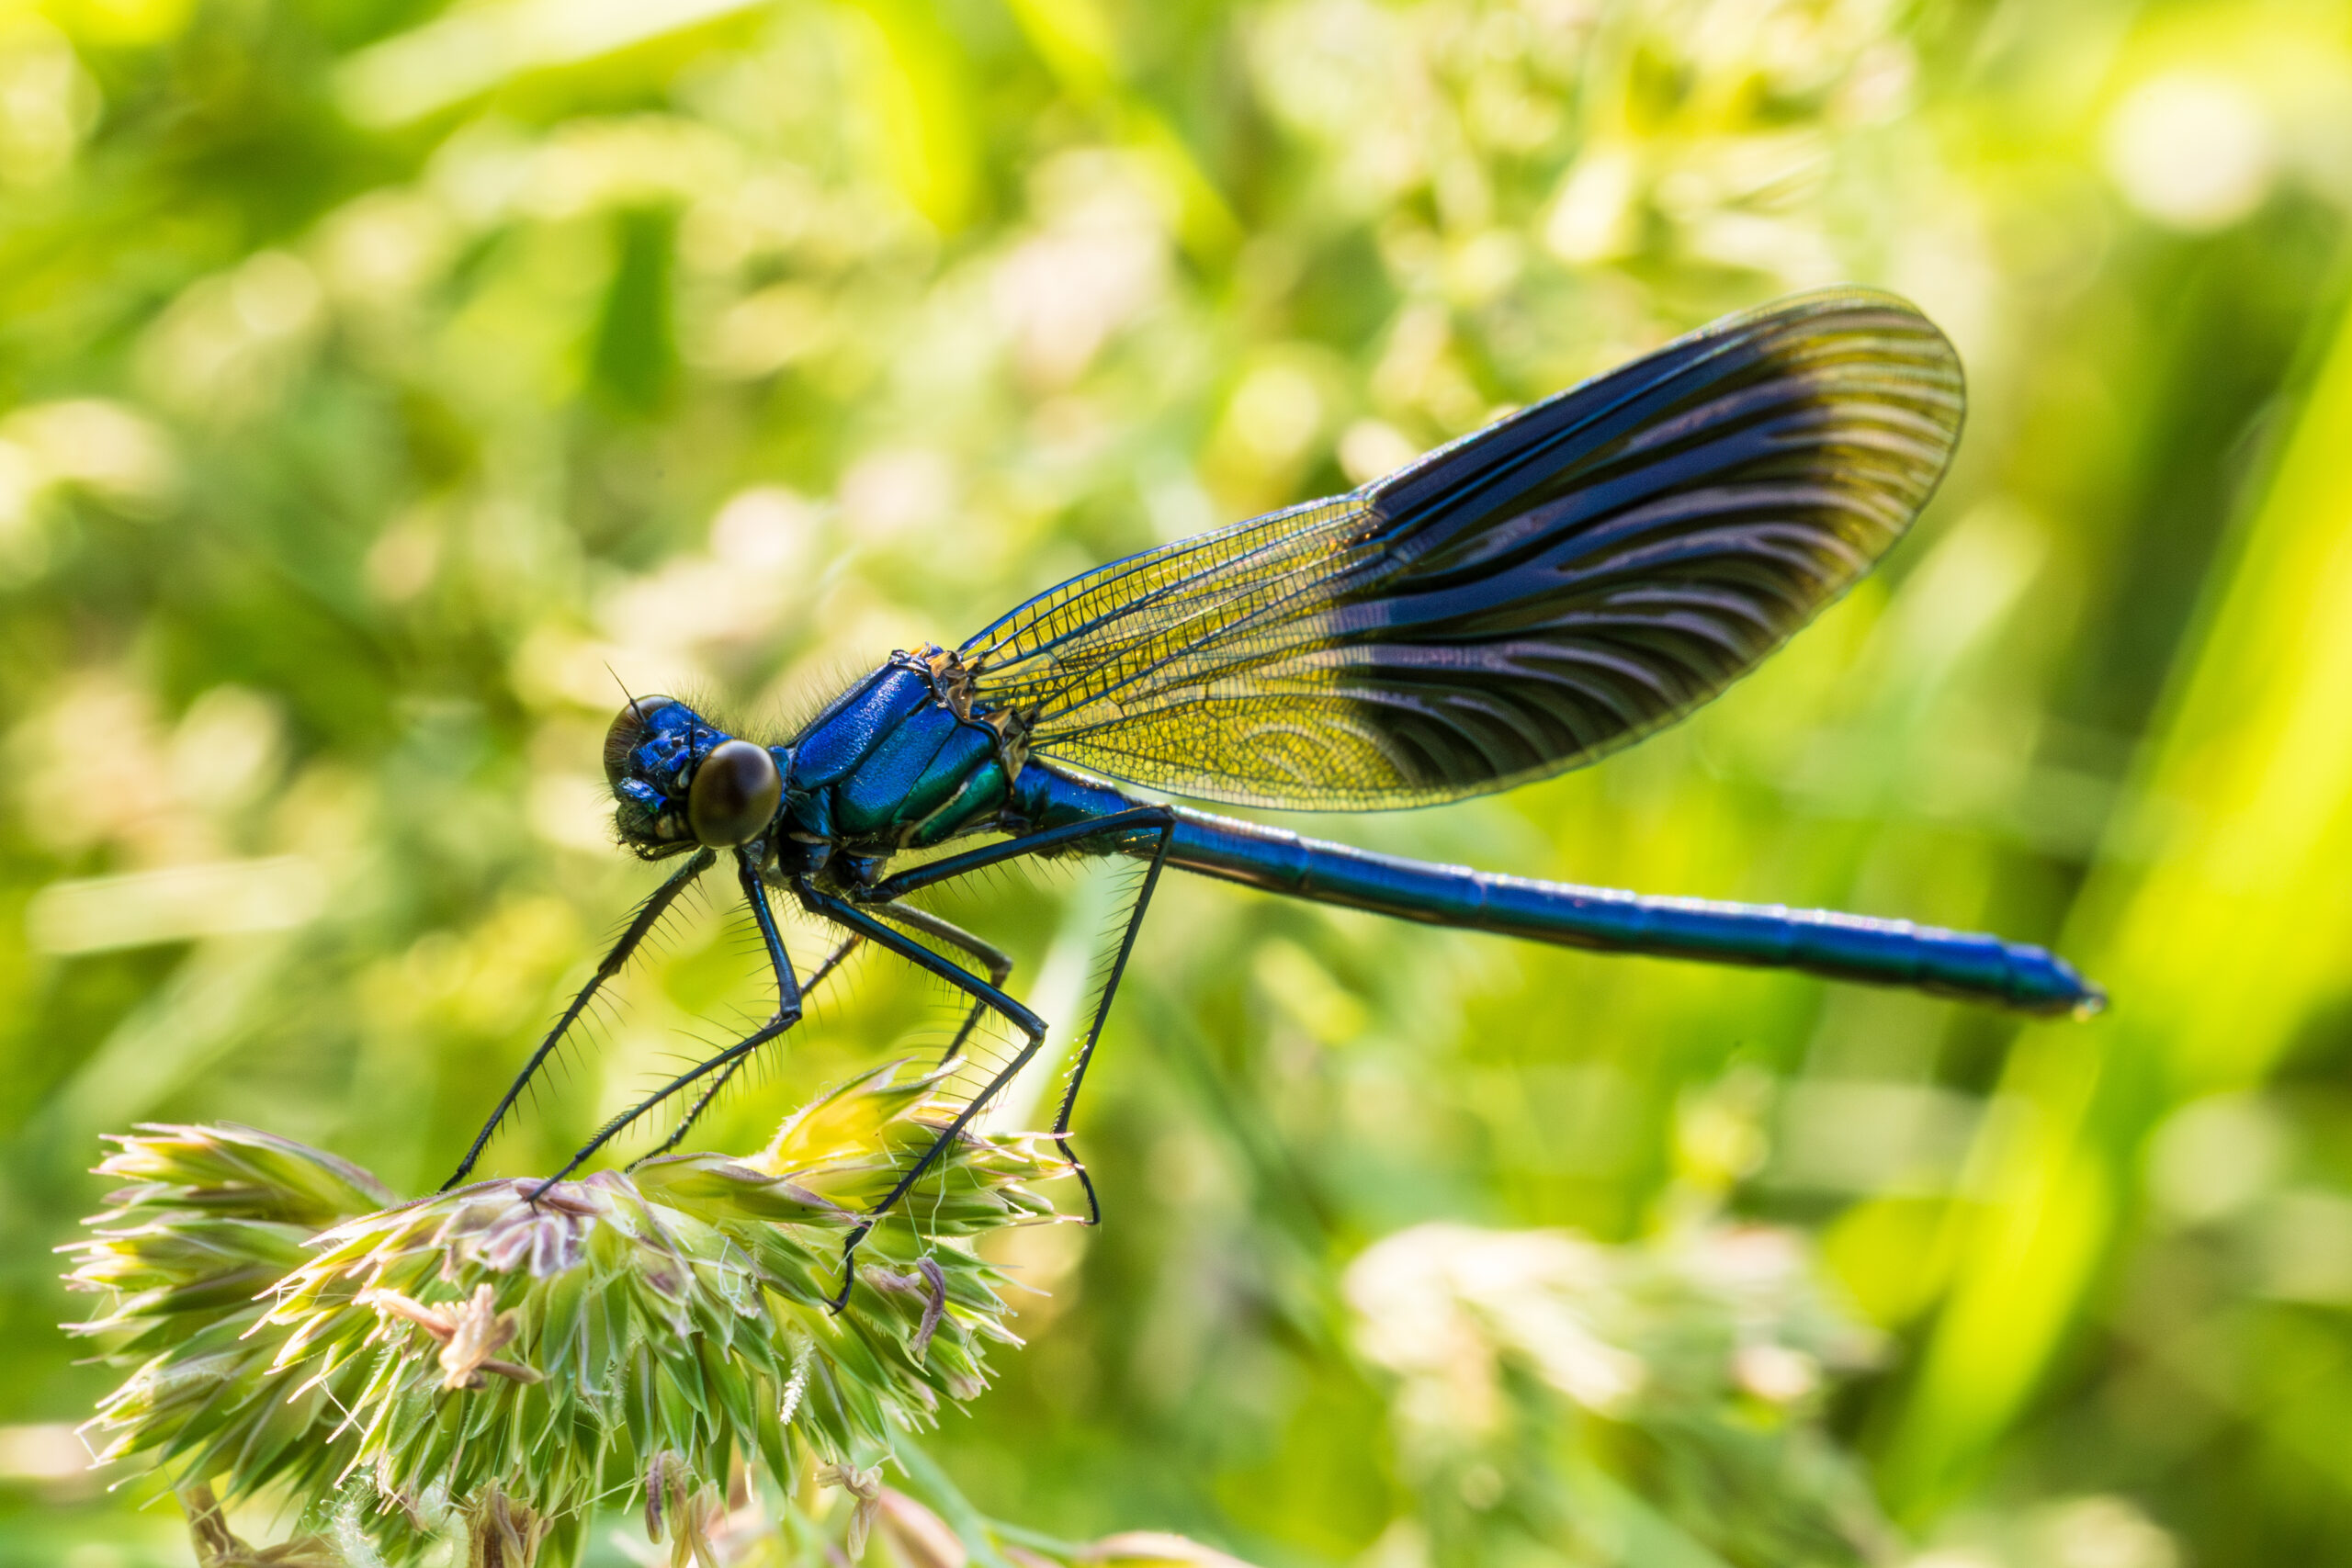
(507, 1358)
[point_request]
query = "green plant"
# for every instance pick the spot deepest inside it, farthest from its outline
(508, 1361)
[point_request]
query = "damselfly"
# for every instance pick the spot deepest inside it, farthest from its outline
(1525, 601)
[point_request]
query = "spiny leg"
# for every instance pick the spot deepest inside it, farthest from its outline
(1103, 1010)
(950, 867)
(994, 959)
(1029, 1024)
(856, 916)
(947, 1135)
(725, 1060)
(648, 914)
(1161, 821)
(788, 1013)
(702, 1102)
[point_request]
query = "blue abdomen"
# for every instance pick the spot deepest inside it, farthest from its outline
(1843, 947)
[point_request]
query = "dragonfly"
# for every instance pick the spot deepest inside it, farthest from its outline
(1526, 600)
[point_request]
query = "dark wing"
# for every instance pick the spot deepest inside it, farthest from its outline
(1522, 601)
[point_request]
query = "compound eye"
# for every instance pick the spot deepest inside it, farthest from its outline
(734, 794)
(627, 730)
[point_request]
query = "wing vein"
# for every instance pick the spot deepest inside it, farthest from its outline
(1525, 600)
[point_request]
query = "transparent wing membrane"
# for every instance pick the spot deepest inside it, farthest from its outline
(1524, 600)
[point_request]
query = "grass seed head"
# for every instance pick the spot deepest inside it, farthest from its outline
(510, 1361)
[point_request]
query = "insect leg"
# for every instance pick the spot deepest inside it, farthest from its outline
(994, 959)
(648, 914)
(1103, 1010)
(954, 867)
(947, 1135)
(1161, 821)
(720, 1063)
(702, 1102)
(991, 957)
(788, 1013)
(842, 912)
(1029, 1024)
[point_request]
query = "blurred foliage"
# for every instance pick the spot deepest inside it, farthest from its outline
(379, 383)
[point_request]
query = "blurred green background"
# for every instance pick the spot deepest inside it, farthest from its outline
(375, 378)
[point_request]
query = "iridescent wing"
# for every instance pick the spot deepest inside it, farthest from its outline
(1524, 600)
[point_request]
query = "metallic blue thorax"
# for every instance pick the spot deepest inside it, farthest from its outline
(892, 765)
